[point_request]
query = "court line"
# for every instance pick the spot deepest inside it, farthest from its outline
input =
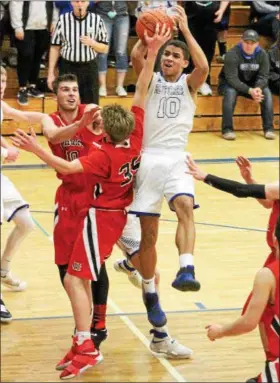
(200, 305)
(199, 161)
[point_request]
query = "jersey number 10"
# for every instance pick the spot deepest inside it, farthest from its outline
(169, 107)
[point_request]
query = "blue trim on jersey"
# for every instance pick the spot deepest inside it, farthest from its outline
(179, 78)
(195, 206)
(139, 213)
(17, 209)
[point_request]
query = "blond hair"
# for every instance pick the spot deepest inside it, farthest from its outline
(118, 122)
(3, 71)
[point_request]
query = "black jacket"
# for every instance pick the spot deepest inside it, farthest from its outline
(274, 58)
(241, 72)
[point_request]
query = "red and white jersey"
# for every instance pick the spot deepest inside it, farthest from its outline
(76, 147)
(270, 318)
(111, 168)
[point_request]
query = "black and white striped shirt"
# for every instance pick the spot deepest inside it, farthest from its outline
(70, 28)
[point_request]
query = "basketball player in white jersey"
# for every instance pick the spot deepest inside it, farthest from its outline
(169, 113)
(13, 206)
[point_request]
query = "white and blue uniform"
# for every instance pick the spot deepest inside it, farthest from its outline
(169, 114)
(11, 200)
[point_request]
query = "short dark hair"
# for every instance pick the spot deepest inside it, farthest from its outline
(64, 78)
(179, 44)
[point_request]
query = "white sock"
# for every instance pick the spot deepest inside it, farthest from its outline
(149, 285)
(186, 260)
(82, 336)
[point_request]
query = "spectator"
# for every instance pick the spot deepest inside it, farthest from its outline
(202, 18)
(65, 6)
(78, 51)
(222, 34)
(274, 74)
(245, 73)
(5, 28)
(116, 20)
(265, 18)
(32, 21)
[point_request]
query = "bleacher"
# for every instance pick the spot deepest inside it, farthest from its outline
(209, 109)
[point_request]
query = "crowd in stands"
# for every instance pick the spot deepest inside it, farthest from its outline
(86, 37)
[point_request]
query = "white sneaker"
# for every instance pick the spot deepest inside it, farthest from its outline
(102, 91)
(121, 92)
(13, 283)
(205, 90)
(132, 274)
(170, 348)
(5, 315)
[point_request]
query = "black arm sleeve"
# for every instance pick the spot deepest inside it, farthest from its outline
(236, 188)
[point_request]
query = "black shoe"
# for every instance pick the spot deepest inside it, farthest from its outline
(6, 316)
(22, 97)
(34, 92)
(98, 336)
(252, 380)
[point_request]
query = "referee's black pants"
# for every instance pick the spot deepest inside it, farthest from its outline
(88, 81)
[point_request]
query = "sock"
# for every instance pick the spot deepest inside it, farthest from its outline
(186, 260)
(100, 291)
(82, 336)
(99, 317)
(149, 285)
(222, 47)
(160, 333)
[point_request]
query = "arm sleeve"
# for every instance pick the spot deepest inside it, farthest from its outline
(231, 73)
(101, 35)
(56, 37)
(16, 8)
(262, 77)
(97, 163)
(274, 74)
(4, 152)
(236, 188)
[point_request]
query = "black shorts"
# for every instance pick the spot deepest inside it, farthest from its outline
(224, 23)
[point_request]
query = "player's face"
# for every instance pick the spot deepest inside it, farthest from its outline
(172, 61)
(249, 46)
(79, 7)
(68, 96)
(3, 84)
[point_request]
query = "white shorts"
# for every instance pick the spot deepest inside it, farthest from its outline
(11, 200)
(129, 242)
(160, 175)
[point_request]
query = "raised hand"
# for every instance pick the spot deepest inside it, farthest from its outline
(25, 141)
(245, 168)
(159, 38)
(90, 115)
(180, 17)
(194, 170)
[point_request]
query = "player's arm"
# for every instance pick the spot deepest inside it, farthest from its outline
(138, 55)
(56, 135)
(19, 115)
(8, 152)
(201, 68)
(30, 144)
(154, 43)
(263, 286)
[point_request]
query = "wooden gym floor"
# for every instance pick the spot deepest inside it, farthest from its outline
(230, 248)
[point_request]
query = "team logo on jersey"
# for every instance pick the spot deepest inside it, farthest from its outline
(77, 266)
(72, 142)
(169, 90)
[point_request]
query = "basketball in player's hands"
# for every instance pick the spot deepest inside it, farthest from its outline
(149, 19)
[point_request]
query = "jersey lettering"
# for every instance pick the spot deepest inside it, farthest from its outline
(72, 155)
(169, 107)
(129, 169)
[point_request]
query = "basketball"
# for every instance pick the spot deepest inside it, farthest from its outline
(149, 19)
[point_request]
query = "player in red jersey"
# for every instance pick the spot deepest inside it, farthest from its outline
(263, 310)
(112, 166)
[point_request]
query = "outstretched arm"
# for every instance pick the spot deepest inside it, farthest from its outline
(138, 54)
(19, 115)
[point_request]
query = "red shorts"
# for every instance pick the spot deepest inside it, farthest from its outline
(270, 372)
(97, 234)
(70, 209)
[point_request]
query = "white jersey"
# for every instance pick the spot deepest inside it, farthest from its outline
(169, 114)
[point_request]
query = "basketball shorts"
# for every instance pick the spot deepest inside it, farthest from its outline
(270, 373)
(70, 209)
(11, 200)
(160, 176)
(98, 232)
(129, 242)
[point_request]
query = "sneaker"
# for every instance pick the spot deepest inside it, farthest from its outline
(156, 316)
(169, 347)
(205, 90)
(61, 365)
(252, 380)
(22, 97)
(34, 92)
(102, 91)
(121, 92)
(12, 282)
(269, 135)
(185, 280)
(42, 65)
(229, 135)
(6, 316)
(86, 357)
(98, 336)
(132, 274)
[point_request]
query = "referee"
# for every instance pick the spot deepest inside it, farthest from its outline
(78, 38)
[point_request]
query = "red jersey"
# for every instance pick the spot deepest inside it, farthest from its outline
(275, 211)
(76, 147)
(111, 168)
(270, 318)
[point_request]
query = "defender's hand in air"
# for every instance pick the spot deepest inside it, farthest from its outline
(194, 170)
(159, 38)
(25, 141)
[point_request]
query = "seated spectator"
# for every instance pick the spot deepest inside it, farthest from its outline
(274, 74)
(153, 4)
(203, 17)
(116, 20)
(265, 18)
(245, 73)
(32, 21)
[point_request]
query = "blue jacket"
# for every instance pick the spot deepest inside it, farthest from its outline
(65, 6)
